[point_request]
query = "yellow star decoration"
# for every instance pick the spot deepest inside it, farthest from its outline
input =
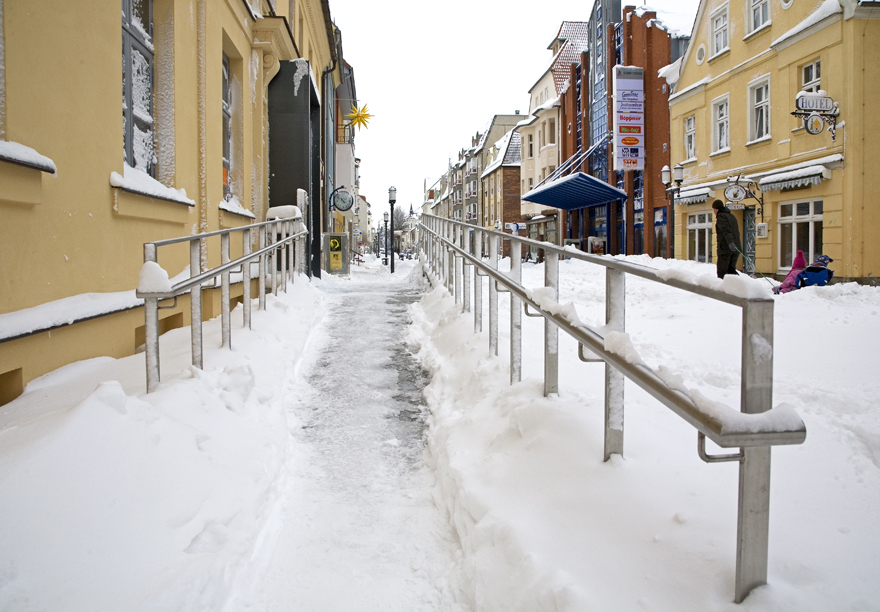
(359, 116)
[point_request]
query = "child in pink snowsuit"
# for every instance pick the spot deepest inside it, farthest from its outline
(790, 283)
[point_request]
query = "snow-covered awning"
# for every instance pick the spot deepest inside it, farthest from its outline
(694, 196)
(802, 177)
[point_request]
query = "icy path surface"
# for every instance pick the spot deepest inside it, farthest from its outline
(355, 526)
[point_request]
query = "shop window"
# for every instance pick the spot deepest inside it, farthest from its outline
(800, 228)
(699, 229)
(137, 85)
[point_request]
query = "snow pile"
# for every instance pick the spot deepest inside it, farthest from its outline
(139, 181)
(15, 152)
(233, 205)
(108, 495)
(153, 279)
(546, 525)
(671, 72)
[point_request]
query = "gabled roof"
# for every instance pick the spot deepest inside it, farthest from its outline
(509, 153)
(576, 36)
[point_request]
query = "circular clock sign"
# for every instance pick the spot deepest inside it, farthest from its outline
(735, 192)
(343, 200)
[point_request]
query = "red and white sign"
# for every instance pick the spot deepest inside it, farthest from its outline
(629, 118)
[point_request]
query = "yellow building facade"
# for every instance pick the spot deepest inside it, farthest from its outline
(83, 186)
(731, 104)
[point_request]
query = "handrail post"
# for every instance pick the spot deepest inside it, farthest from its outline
(493, 296)
(151, 329)
(551, 332)
(246, 279)
(226, 327)
(465, 277)
(282, 253)
(291, 246)
(195, 303)
(274, 240)
(261, 282)
(756, 396)
(515, 311)
(478, 283)
(458, 265)
(450, 258)
(615, 320)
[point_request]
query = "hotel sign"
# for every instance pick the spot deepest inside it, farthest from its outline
(629, 118)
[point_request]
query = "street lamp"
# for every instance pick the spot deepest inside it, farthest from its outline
(392, 198)
(666, 177)
(385, 259)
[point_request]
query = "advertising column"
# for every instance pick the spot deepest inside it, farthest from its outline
(629, 118)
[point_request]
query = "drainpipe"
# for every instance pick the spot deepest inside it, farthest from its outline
(202, 130)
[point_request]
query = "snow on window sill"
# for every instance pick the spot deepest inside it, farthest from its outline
(720, 152)
(19, 154)
(233, 205)
(721, 53)
(760, 140)
(764, 28)
(689, 160)
(141, 183)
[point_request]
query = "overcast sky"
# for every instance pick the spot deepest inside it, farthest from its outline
(434, 73)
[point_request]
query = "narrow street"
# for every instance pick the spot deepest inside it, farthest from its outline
(361, 531)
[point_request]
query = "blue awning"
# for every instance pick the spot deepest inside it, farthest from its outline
(574, 191)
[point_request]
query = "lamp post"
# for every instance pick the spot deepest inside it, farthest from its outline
(385, 259)
(392, 198)
(666, 177)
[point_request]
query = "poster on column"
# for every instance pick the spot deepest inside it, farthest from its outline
(629, 118)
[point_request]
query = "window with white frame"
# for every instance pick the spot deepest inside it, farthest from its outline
(137, 85)
(800, 228)
(759, 109)
(699, 229)
(760, 14)
(690, 137)
(720, 38)
(720, 124)
(551, 131)
(811, 76)
(531, 146)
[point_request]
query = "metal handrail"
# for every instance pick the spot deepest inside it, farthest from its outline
(276, 240)
(447, 252)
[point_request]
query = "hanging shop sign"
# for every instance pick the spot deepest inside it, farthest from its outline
(817, 110)
(629, 118)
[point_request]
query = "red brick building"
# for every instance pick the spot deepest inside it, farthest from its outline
(639, 225)
(500, 183)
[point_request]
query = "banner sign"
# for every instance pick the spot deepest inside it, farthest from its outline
(629, 118)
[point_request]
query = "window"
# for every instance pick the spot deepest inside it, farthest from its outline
(800, 228)
(531, 146)
(720, 125)
(699, 229)
(811, 74)
(690, 137)
(759, 109)
(760, 15)
(551, 131)
(531, 182)
(227, 129)
(719, 31)
(137, 85)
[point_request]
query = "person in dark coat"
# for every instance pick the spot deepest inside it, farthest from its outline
(727, 234)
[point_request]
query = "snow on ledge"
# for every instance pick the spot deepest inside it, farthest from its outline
(826, 9)
(70, 310)
(138, 181)
(233, 205)
(20, 154)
